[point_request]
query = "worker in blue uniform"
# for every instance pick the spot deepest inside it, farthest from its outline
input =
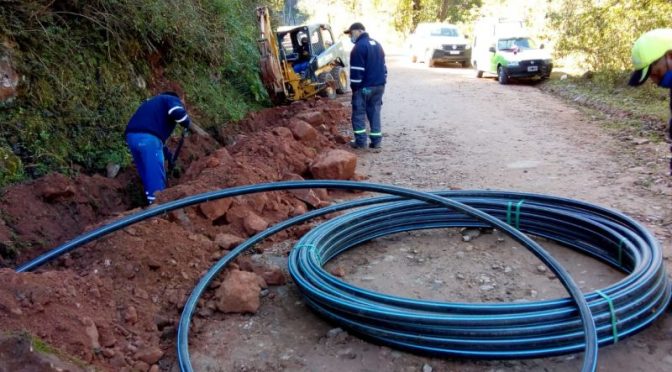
(146, 135)
(368, 76)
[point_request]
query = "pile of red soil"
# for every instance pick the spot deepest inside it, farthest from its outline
(115, 302)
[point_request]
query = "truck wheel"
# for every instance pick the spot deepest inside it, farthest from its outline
(479, 73)
(329, 90)
(501, 76)
(341, 77)
(429, 61)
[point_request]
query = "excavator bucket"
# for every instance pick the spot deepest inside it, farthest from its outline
(271, 70)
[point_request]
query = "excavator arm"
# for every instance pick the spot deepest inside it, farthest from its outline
(271, 69)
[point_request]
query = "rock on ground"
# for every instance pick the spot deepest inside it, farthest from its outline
(228, 241)
(239, 293)
(334, 165)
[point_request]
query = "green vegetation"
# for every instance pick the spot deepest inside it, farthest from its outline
(86, 65)
(43, 347)
(599, 36)
(412, 12)
(601, 33)
(40, 345)
(642, 111)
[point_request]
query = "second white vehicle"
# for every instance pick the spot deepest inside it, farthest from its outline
(434, 43)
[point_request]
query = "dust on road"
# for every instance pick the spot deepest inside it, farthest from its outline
(445, 128)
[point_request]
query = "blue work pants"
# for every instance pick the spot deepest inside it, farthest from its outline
(147, 151)
(366, 104)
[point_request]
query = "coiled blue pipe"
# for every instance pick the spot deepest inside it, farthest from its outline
(518, 330)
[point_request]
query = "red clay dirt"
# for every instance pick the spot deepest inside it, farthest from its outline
(114, 303)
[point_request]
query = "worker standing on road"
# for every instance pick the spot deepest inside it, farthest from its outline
(146, 135)
(368, 75)
(652, 57)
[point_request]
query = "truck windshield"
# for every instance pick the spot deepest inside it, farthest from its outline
(520, 43)
(444, 31)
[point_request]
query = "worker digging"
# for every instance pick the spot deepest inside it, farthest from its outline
(146, 135)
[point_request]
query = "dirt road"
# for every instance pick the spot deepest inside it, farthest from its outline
(445, 128)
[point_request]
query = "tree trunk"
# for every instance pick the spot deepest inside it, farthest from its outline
(415, 14)
(443, 10)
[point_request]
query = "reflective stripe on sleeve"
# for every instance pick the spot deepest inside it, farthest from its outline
(175, 108)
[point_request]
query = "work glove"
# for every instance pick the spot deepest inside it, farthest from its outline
(366, 91)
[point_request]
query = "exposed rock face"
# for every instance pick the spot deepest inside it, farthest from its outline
(9, 77)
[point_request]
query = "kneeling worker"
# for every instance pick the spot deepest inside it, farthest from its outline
(652, 58)
(146, 135)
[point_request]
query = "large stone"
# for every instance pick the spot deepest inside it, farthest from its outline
(221, 157)
(256, 201)
(302, 131)
(314, 118)
(239, 293)
(298, 209)
(216, 209)
(334, 165)
(236, 215)
(283, 132)
(140, 366)
(308, 196)
(150, 355)
(58, 187)
(92, 331)
(273, 275)
(112, 170)
(254, 224)
(228, 241)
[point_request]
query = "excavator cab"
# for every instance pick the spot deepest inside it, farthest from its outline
(299, 62)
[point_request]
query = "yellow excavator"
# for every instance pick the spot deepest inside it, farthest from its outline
(299, 62)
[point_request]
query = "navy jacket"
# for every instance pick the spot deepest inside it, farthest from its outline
(159, 116)
(367, 64)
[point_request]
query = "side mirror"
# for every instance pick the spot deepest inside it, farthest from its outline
(541, 46)
(492, 49)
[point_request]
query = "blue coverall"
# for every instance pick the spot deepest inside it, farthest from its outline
(146, 135)
(368, 76)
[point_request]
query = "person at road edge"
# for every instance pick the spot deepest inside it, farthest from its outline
(652, 58)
